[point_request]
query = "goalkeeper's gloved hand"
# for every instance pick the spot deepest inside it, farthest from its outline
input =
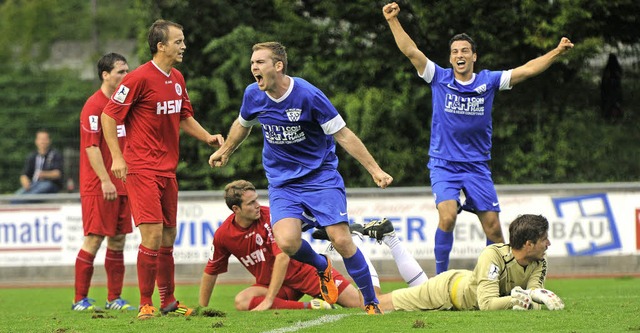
(546, 297)
(521, 299)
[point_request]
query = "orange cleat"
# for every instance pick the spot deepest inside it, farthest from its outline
(373, 309)
(328, 287)
(146, 312)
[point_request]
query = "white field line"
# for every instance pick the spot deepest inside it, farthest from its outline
(305, 324)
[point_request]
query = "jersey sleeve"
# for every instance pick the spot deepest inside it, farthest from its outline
(497, 80)
(275, 249)
(429, 71)
(123, 98)
(187, 109)
(91, 126)
(248, 115)
(326, 114)
(265, 222)
(247, 123)
(334, 125)
(505, 80)
(488, 272)
(219, 258)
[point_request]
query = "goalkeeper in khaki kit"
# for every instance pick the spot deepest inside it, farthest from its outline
(506, 276)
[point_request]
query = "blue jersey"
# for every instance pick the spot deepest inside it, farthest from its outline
(299, 149)
(461, 124)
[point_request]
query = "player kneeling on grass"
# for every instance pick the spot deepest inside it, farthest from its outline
(280, 281)
(506, 276)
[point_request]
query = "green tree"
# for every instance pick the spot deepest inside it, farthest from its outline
(345, 49)
(35, 97)
(33, 100)
(547, 129)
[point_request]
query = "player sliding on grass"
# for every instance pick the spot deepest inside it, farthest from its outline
(506, 276)
(280, 281)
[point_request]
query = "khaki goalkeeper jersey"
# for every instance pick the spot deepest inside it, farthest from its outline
(487, 287)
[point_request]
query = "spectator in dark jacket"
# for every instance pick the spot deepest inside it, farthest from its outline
(42, 171)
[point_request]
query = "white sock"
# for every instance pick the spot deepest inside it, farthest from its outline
(408, 267)
(374, 274)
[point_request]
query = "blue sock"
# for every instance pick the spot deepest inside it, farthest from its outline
(444, 244)
(307, 255)
(359, 272)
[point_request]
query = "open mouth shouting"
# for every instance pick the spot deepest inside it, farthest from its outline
(259, 79)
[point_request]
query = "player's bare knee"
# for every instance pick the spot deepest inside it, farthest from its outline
(241, 305)
(92, 243)
(345, 246)
(340, 236)
(492, 229)
(342, 240)
(496, 236)
(289, 247)
(116, 243)
(447, 223)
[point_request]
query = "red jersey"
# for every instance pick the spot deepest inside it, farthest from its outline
(151, 103)
(255, 248)
(91, 135)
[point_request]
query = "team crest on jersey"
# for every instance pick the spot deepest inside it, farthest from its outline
(494, 272)
(121, 94)
(93, 123)
(294, 114)
(178, 89)
(259, 240)
(481, 89)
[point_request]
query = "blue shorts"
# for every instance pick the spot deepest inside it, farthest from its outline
(472, 178)
(315, 207)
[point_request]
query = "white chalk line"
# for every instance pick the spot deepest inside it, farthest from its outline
(310, 323)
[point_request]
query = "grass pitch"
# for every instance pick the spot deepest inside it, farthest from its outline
(592, 305)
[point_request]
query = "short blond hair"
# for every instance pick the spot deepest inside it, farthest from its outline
(278, 50)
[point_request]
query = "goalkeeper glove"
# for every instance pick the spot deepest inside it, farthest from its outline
(546, 297)
(521, 299)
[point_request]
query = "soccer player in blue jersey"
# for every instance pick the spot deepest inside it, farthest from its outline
(300, 127)
(461, 129)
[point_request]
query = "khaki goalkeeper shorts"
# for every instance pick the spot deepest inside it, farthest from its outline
(434, 294)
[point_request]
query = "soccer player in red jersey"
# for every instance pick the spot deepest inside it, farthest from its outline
(280, 281)
(105, 207)
(153, 103)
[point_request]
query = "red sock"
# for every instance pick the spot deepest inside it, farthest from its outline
(278, 303)
(147, 270)
(166, 282)
(84, 272)
(114, 265)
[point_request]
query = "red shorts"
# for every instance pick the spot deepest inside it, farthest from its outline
(106, 217)
(305, 281)
(153, 199)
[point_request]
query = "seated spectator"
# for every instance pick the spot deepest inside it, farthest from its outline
(42, 171)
